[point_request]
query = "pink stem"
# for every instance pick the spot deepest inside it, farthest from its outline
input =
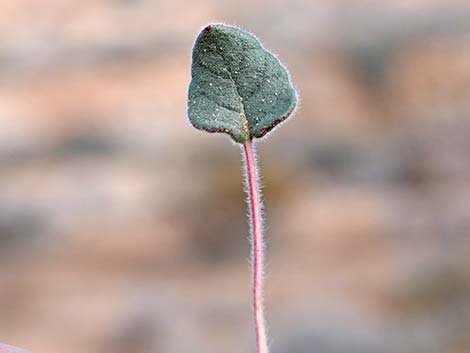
(257, 247)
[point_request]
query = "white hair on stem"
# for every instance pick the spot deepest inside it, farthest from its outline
(257, 243)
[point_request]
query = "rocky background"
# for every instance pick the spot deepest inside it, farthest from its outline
(123, 229)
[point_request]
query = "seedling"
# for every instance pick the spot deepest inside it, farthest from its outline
(241, 89)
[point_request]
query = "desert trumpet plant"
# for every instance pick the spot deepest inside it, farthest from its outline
(241, 89)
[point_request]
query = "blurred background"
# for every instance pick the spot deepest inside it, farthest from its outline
(123, 229)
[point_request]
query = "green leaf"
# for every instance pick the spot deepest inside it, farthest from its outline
(237, 86)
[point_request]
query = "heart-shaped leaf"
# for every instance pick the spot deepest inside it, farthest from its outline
(237, 86)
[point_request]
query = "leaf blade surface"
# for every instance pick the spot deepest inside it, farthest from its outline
(237, 86)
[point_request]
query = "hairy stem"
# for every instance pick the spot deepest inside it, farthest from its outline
(257, 246)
